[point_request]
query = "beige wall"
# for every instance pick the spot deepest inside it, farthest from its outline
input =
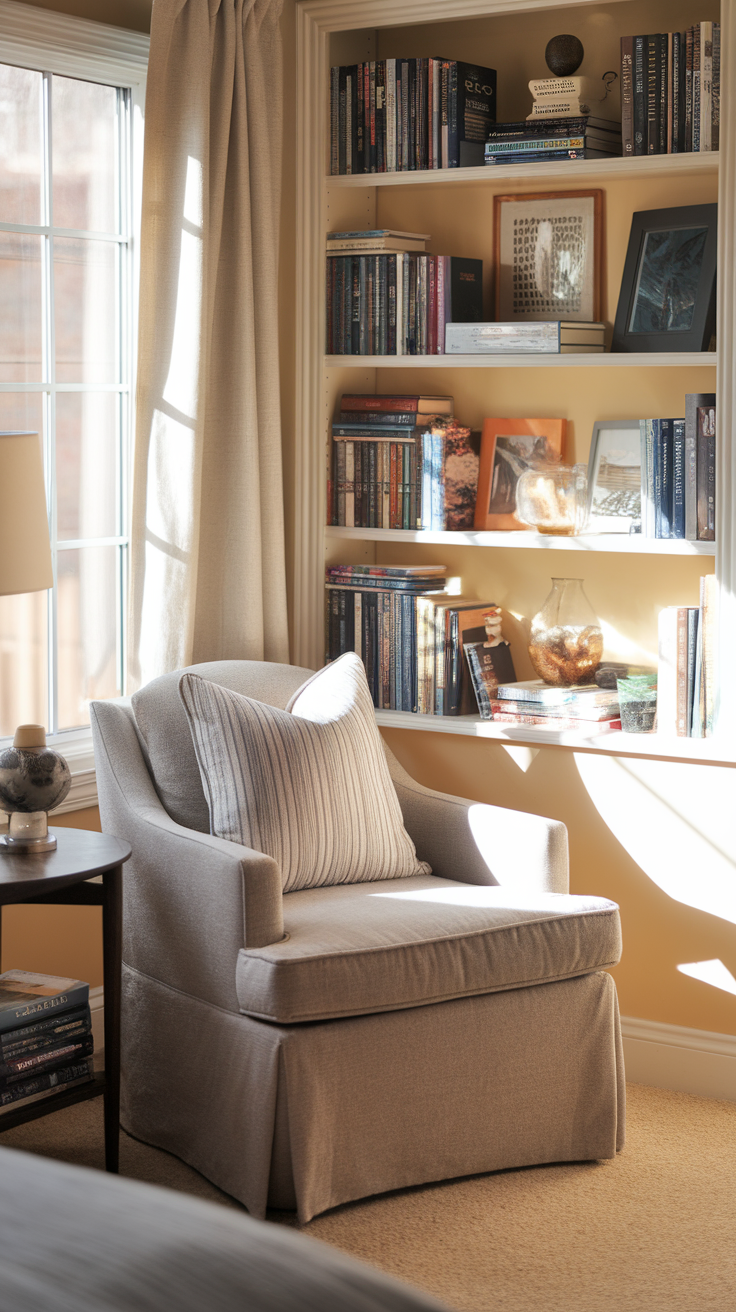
(654, 836)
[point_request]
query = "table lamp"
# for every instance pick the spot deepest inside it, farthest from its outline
(33, 779)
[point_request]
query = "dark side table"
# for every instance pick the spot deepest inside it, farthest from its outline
(62, 878)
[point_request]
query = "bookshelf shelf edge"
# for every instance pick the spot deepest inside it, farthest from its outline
(619, 543)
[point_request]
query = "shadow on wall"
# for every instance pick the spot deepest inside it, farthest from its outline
(657, 837)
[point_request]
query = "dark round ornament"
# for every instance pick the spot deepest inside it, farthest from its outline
(32, 780)
(564, 54)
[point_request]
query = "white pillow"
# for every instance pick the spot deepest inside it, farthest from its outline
(309, 785)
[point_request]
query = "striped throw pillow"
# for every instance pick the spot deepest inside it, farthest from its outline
(310, 785)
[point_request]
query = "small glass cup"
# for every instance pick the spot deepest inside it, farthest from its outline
(554, 499)
(637, 699)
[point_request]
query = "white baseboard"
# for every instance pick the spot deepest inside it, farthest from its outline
(674, 1057)
(97, 1008)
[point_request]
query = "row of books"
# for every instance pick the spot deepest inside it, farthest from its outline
(678, 472)
(411, 635)
(390, 115)
(564, 137)
(671, 91)
(45, 1036)
(398, 303)
(580, 707)
(385, 474)
(686, 679)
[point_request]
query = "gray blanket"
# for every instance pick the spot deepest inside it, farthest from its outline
(73, 1240)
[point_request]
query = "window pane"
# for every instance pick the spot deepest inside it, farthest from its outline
(86, 464)
(21, 151)
(87, 629)
(21, 412)
(83, 122)
(23, 661)
(85, 310)
(20, 308)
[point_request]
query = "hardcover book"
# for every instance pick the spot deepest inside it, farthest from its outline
(25, 997)
(488, 666)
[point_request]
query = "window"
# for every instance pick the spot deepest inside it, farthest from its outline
(69, 135)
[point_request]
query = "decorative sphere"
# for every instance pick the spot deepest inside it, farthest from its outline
(32, 780)
(564, 54)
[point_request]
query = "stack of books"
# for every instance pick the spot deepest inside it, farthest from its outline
(45, 1036)
(678, 472)
(387, 296)
(390, 115)
(541, 337)
(671, 91)
(549, 138)
(686, 686)
(408, 631)
(401, 462)
(584, 708)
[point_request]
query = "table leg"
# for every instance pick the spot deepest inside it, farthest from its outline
(112, 947)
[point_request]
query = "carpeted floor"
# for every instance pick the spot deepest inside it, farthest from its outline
(652, 1231)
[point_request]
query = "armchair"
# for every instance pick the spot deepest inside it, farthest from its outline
(309, 1048)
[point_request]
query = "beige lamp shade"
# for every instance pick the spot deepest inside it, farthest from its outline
(25, 551)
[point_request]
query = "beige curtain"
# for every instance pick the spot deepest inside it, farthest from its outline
(207, 556)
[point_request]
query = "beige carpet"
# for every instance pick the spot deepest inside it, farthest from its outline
(654, 1230)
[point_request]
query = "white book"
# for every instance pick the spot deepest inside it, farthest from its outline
(667, 673)
(571, 108)
(556, 88)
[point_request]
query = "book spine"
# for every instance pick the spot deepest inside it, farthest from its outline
(453, 139)
(681, 672)
(436, 96)
(441, 303)
(342, 138)
(48, 1080)
(349, 484)
(652, 97)
(657, 463)
(24, 1065)
(662, 93)
(390, 115)
(350, 123)
(359, 119)
(678, 479)
(708, 613)
(666, 474)
(697, 74)
(381, 116)
(46, 1033)
(640, 117)
(675, 138)
(715, 121)
(706, 84)
(693, 617)
(340, 483)
(688, 131)
(706, 473)
(28, 1013)
(627, 95)
(668, 98)
(334, 120)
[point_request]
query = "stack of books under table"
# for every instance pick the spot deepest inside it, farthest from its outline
(584, 708)
(45, 1036)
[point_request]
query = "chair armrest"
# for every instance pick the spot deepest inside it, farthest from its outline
(479, 844)
(191, 900)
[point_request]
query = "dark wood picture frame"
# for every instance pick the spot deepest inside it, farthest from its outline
(553, 431)
(596, 196)
(699, 279)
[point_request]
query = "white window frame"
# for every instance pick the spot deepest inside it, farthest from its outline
(74, 47)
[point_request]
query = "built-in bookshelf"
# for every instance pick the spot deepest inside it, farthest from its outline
(456, 206)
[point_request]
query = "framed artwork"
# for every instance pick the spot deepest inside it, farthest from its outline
(614, 476)
(547, 256)
(508, 447)
(667, 300)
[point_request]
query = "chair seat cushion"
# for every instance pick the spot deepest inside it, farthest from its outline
(355, 949)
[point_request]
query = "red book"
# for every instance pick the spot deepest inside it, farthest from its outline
(432, 334)
(423, 405)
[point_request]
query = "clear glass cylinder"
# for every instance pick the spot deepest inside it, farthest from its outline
(566, 640)
(553, 499)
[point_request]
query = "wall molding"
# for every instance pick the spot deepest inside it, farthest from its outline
(61, 43)
(678, 1058)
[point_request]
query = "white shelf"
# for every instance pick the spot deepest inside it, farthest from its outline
(603, 360)
(584, 170)
(611, 542)
(703, 751)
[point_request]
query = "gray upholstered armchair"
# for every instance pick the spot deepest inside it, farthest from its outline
(309, 1048)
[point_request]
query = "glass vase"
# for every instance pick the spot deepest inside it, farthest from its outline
(566, 641)
(553, 499)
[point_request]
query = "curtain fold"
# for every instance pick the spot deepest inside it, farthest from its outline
(207, 550)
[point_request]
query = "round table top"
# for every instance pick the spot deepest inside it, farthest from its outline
(80, 854)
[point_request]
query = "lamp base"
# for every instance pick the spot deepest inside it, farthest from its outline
(28, 831)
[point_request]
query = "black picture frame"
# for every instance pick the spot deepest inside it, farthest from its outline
(667, 300)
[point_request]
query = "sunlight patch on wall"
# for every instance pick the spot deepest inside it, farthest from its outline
(710, 972)
(675, 821)
(522, 757)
